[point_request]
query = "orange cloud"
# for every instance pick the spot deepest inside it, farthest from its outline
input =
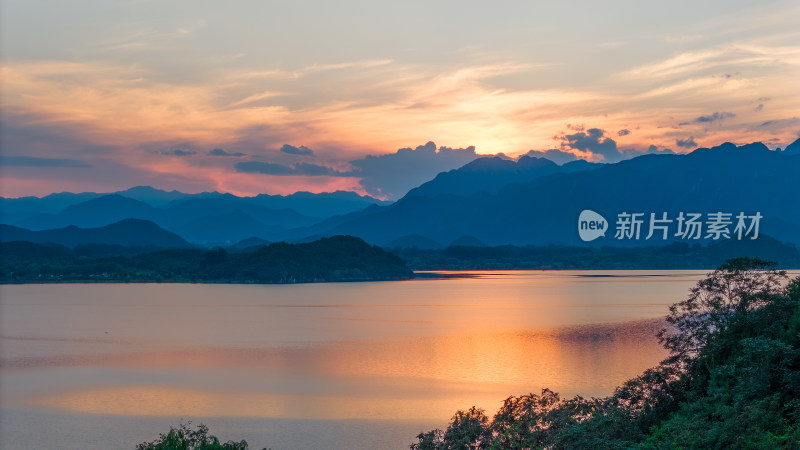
(377, 106)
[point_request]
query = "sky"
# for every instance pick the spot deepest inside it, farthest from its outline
(250, 97)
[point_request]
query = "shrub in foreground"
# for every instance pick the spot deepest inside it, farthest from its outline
(184, 438)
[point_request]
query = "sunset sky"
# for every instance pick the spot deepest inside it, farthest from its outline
(273, 97)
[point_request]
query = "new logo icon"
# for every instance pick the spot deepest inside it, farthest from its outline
(591, 225)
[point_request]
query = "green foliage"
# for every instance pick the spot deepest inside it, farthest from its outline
(184, 438)
(531, 421)
(430, 440)
(736, 287)
(732, 381)
(467, 429)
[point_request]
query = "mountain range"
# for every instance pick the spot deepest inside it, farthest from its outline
(126, 233)
(210, 218)
(490, 201)
(545, 209)
(493, 173)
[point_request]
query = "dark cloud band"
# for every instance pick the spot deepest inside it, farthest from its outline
(292, 150)
(686, 143)
(714, 117)
(30, 161)
(221, 152)
(280, 169)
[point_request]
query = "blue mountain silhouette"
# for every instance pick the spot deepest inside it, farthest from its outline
(749, 178)
(128, 232)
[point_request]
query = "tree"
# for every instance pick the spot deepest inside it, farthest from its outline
(532, 421)
(184, 438)
(736, 287)
(467, 430)
(429, 440)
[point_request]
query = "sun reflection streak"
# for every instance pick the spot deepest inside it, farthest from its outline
(386, 379)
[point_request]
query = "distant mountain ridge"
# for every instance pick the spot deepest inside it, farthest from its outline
(190, 215)
(128, 232)
(490, 174)
(101, 211)
(232, 227)
(324, 203)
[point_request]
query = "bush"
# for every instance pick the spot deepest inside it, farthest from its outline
(184, 438)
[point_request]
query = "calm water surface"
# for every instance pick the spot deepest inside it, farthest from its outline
(341, 365)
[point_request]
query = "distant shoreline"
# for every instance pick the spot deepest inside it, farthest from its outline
(423, 275)
(237, 282)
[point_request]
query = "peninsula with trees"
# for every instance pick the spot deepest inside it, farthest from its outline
(338, 258)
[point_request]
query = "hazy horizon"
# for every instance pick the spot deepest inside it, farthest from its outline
(554, 156)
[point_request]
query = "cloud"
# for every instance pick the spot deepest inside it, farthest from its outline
(624, 132)
(759, 107)
(686, 143)
(280, 169)
(292, 150)
(394, 174)
(679, 64)
(345, 113)
(315, 170)
(651, 150)
(557, 156)
(178, 152)
(593, 141)
(714, 117)
(691, 86)
(263, 167)
(344, 65)
(221, 152)
(777, 124)
(722, 56)
(31, 161)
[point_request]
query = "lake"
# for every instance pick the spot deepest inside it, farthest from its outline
(333, 365)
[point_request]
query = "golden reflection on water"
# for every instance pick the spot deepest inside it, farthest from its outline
(179, 402)
(397, 351)
(390, 379)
